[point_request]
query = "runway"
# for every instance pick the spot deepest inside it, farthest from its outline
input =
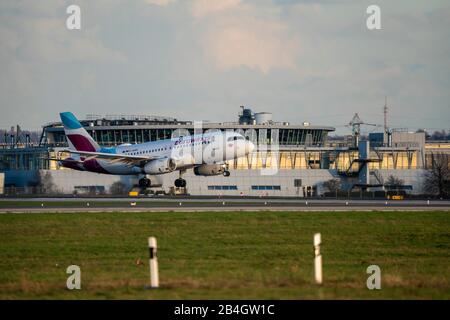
(158, 204)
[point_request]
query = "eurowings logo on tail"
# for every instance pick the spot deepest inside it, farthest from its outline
(78, 138)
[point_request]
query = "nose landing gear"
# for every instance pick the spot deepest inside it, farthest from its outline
(180, 183)
(226, 172)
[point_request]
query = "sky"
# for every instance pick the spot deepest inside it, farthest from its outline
(303, 60)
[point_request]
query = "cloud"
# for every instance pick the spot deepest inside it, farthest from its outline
(202, 8)
(44, 37)
(160, 3)
(88, 79)
(53, 43)
(246, 35)
(41, 59)
(252, 43)
(197, 59)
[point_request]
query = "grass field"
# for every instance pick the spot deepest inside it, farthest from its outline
(229, 255)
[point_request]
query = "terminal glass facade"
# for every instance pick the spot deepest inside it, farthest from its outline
(288, 146)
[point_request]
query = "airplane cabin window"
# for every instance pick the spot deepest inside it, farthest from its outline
(235, 138)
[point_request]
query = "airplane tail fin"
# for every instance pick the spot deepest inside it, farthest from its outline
(77, 137)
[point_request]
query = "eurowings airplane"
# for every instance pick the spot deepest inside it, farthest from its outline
(204, 153)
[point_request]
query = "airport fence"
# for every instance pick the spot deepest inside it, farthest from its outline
(41, 191)
(35, 191)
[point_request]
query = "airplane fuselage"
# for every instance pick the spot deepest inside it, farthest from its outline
(186, 152)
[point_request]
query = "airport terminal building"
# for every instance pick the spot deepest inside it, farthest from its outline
(291, 159)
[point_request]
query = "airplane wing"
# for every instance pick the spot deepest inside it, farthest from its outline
(112, 157)
(65, 160)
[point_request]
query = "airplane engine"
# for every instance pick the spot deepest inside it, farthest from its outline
(183, 161)
(160, 166)
(209, 170)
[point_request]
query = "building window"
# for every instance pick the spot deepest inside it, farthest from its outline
(277, 188)
(222, 188)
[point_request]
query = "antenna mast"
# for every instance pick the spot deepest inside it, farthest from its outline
(385, 111)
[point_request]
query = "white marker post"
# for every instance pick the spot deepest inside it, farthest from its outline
(153, 262)
(317, 259)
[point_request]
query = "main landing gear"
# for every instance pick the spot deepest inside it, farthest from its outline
(180, 182)
(144, 183)
(226, 173)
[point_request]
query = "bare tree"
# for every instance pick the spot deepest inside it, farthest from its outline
(437, 177)
(46, 182)
(332, 185)
(118, 188)
(394, 181)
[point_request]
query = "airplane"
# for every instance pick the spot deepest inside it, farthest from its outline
(204, 153)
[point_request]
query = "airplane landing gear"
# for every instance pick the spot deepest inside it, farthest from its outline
(180, 183)
(145, 182)
(226, 172)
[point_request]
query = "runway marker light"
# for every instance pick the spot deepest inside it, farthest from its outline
(265, 203)
(306, 202)
(223, 203)
(153, 262)
(428, 202)
(42, 204)
(346, 203)
(385, 203)
(133, 204)
(317, 259)
(180, 203)
(87, 204)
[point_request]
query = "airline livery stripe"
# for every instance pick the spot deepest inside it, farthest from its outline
(81, 143)
(69, 120)
(94, 166)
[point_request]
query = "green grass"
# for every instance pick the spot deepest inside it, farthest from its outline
(113, 204)
(229, 255)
